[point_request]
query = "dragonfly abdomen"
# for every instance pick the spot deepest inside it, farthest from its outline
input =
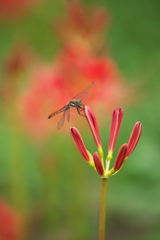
(57, 112)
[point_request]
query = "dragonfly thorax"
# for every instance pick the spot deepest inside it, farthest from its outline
(75, 103)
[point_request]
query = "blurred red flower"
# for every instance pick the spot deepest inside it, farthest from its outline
(79, 69)
(50, 89)
(12, 8)
(76, 66)
(9, 223)
(16, 64)
(85, 26)
(18, 60)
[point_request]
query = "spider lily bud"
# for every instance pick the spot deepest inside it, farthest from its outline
(98, 163)
(134, 138)
(114, 130)
(97, 160)
(80, 145)
(121, 157)
(93, 126)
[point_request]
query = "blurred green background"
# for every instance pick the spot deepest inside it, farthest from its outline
(47, 183)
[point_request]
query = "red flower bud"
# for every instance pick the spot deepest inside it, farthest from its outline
(93, 126)
(80, 144)
(98, 163)
(115, 127)
(134, 137)
(121, 157)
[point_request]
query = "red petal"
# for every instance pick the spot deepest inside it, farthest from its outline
(93, 125)
(98, 163)
(79, 143)
(121, 157)
(115, 127)
(134, 137)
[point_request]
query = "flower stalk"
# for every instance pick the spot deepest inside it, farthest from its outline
(102, 216)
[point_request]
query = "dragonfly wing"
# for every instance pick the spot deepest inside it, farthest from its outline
(68, 114)
(61, 122)
(85, 91)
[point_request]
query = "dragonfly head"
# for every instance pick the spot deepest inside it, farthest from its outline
(79, 101)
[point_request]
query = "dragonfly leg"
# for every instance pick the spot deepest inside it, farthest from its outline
(79, 110)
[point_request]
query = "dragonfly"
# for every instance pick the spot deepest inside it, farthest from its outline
(76, 102)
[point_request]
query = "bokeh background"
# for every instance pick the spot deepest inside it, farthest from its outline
(50, 51)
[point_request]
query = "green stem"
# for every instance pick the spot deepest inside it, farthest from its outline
(102, 218)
